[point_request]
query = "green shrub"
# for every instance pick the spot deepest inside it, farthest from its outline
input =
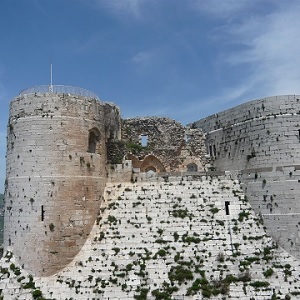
(259, 284)
(180, 213)
(161, 252)
(51, 227)
(268, 272)
(142, 294)
(36, 294)
(112, 220)
(116, 249)
(206, 293)
(214, 210)
(30, 284)
(220, 222)
(176, 236)
(161, 295)
(135, 148)
(180, 274)
(243, 215)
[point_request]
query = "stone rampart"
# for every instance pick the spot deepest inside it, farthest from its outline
(56, 173)
(261, 139)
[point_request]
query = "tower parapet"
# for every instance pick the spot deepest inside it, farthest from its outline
(59, 89)
(56, 173)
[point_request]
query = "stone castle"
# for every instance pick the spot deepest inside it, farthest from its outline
(99, 207)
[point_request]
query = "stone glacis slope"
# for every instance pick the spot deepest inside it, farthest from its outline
(168, 237)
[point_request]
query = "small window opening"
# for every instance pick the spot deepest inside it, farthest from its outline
(144, 140)
(210, 150)
(42, 213)
(93, 141)
(192, 167)
(227, 203)
(187, 138)
(151, 170)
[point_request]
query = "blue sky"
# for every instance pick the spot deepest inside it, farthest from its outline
(184, 59)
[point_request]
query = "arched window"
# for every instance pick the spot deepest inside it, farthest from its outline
(151, 162)
(150, 169)
(192, 167)
(144, 140)
(94, 137)
(212, 151)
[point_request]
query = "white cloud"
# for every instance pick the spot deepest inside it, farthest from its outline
(273, 52)
(225, 99)
(154, 59)
(132, 8)
(146, 59)
(262, 39)
(89, 44)
(142, 57)
(224, 8)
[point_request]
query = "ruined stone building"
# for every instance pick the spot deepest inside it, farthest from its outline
(87, 192)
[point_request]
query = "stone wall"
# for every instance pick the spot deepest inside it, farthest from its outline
(261, 139)
(169, 146)
(170, 237)
(56, 173)
(162, 235)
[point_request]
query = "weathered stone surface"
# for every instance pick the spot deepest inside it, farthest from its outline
(169, 146)
(151, 232)
(261, 139)
(165, 226)
(54, 181)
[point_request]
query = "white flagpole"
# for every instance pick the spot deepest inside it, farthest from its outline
(51, 86)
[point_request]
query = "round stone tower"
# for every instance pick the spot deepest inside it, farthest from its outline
(260, 140)
(56, 172)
